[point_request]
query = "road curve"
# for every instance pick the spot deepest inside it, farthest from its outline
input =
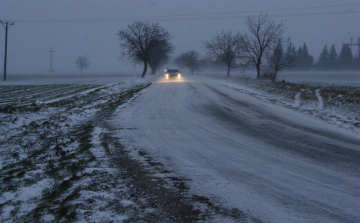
(272, 162)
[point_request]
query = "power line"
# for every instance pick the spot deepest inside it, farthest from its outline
(112, 20)
(205, 16)
(51, 60)
(6, 25)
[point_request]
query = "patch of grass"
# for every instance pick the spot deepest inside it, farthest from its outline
(288, 85)
(37, 152)
(67, 210)
(50, 195)
(142, 153)
(21, 174)
(27, 163)
(84, 137)
(308, 95)
(10, 166)
(12, 171)
(8, 109)
(64, 186)
(15, 170)
(7, 180)
(75, 167)
(63, 211)
(74, 195)
(16, 209)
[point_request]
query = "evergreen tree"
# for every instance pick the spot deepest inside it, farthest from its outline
(346, 58)
(324, 59)
(357, 62)
(304, 61)
(307, 59)
(279, 60)
(298, 57)
(333, 58)
(299, 53)
(291, 52)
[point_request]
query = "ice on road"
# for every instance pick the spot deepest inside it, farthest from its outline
(271, 162)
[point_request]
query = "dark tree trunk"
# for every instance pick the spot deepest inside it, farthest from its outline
(258, 71)
(274, 76)
(153, 69)
(145, 69)
(228, 71)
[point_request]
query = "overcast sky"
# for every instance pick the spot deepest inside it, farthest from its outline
(91, 27)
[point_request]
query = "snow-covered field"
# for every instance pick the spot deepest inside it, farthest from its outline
(338, 105)
(318, 78)
(82, 79)
(52, 164)
(326, 78)
(58, 146)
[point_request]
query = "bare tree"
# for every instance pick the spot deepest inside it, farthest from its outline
(190, 60)
(263, 37)
(159, 56)
(139, 38)
(279, 60)
(82, 62)
(226, 47)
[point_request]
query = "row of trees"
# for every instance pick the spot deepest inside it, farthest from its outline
(263, 44)
(262, 48)
(292, 59)
(330, 60)
(148, 43)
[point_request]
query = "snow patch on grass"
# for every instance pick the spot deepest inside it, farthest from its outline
(338, 105)
(320, 99)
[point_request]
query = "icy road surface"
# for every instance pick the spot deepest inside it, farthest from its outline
(271, 162)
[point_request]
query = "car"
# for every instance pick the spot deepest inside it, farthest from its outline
(172, 73)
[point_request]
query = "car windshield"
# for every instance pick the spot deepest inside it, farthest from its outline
(172, 70)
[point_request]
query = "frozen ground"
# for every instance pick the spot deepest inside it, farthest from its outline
(48, 79)
(317, 78)
(337, 105)
(325, 78)
(240, 147)
(109, 148)
(53, 164)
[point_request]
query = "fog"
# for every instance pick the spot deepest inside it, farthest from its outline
(88, 28)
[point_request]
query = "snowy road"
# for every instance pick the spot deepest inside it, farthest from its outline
(271, 162)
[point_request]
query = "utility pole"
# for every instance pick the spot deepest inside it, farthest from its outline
(51, 60)
(354, 44)
(6, 25)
